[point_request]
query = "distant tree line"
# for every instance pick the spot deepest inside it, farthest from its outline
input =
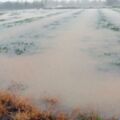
(36, 4)
(56, 4)
(20, 5)
(39, 4)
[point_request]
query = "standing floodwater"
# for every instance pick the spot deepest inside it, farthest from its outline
(70, 54)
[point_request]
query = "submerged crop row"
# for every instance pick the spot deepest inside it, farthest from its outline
(17, 48)
(28, 43)
(27, 20)
(103, 22)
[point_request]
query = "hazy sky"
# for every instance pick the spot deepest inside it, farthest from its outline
(33, 0)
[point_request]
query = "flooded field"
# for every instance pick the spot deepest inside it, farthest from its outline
(69, 54)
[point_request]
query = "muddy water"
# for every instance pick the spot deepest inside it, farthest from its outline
(68, 69)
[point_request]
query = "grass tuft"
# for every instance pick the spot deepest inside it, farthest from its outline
(13, 107)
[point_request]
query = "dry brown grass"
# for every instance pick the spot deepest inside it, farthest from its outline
(13, 107)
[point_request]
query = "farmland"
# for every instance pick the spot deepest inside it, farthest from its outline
(72, 54)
